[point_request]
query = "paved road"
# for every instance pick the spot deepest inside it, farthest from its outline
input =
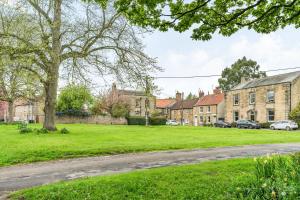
(24, 176)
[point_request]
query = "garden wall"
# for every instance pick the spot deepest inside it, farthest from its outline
(97, 119)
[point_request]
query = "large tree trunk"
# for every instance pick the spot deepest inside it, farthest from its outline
(50, 104)
(52, 73)
(10, 111)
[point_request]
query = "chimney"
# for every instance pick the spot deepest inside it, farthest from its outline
(217, 90)
(201, 93)
(244, 79)
(178, 96)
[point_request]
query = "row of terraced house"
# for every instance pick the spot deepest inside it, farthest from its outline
(264, 100)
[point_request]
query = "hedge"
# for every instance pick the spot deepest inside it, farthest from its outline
(142, 121)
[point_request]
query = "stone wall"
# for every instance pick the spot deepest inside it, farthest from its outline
(90, 120)
(187, 115)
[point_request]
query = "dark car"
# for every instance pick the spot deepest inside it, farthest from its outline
(247, 124)
(222, 124)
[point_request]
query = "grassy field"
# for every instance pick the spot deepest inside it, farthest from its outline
(88, 140)
(210, 180)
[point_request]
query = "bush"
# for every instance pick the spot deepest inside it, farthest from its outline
(277, 177)
(42, 131)
(76, 113)
(22, 125)
(136, 120)
(157, 121)
(64, 131)
(233, 124)
(265, 125)
(25, 130)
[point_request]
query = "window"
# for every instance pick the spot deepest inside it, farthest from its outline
(270, 96)
(236, 99)
(208, 109)
(208, 119)
(201, 118)
(235, 116)
(252, 97)
(201, 109)
(271, 115)
(252, 115)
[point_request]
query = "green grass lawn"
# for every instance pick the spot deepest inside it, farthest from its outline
(210, 180)
(88, 140)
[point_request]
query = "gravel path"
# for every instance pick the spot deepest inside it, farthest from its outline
(25, 176)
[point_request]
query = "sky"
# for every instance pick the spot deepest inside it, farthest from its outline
(179, 55)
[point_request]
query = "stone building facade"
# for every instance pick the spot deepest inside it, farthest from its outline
(209, 108)
(136, 99)
(264, 100)
(182, 110)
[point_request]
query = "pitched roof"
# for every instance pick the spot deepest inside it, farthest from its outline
(185, 104)
(131, 92)
(270, 80)
(211, 99)
(164, 103)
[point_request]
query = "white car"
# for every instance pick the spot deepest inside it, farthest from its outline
(172, 123)
(284, 125)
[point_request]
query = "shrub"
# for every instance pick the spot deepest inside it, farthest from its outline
(233, 124)
(136, 120)
(76, 113)
(265, 125)
(22, 125)
(157, 120)
(120, 109)
(42, 131)
(277, 177)
(25, 130)
(64, 131)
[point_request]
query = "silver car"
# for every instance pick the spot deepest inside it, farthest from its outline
(284, 125)
(172, 123)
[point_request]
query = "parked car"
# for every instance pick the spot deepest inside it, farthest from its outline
(284, 125)
(222, 124)
(172, 122)
(247, 124)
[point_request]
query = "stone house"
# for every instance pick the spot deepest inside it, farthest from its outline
(182, 110)
(163, 106)
(136, 99)
(209, 108)
(264, 100)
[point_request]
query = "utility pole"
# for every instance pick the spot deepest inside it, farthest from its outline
(148, 93)
(181, 108)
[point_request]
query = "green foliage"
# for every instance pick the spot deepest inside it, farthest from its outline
(295, 114)
(242, 68)
(191, 96)
(42, 131)
(64, 131)
(136, 120)
(265, 125)
(22, 125)
(99, 107)
(233, 124)
(277, 177)
(25, 130)
(206, 18)
(157, 120)
(74, 97)
(120, 109)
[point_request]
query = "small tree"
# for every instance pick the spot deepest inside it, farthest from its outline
(295, 114)
(120, 109)
(74, 98)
